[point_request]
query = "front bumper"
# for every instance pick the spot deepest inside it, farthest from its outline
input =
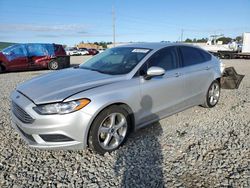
(68, 131)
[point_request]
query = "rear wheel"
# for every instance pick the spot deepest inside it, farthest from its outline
(53, 65)
(1, 69)
(109, 130)
(213, 95)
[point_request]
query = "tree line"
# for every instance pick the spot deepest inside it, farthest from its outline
(225, 40)
(103, 44)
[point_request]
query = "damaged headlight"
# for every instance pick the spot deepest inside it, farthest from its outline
(61, 108)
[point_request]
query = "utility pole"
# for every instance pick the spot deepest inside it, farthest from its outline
(182, 31)
(113, 18)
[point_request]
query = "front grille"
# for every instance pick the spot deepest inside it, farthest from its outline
(21, 114)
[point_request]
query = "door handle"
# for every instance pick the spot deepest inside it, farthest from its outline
(207, 67)
(177, 74)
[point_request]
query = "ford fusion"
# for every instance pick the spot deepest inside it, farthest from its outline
(100, 102)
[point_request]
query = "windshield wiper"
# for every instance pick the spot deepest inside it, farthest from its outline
(96, 70)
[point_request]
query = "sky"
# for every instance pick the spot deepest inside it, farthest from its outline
(70, 22)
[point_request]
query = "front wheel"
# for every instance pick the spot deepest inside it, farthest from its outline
(53, 65)
(109, 130)
(213, 95)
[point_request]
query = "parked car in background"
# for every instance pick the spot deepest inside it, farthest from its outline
(72, 51)
(93, 51)
(83, 51)
(98, 103)
(101, 50)
(33, 56)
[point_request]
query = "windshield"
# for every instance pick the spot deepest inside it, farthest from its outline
(120, 60)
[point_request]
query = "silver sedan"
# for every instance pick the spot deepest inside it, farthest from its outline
(98, 103)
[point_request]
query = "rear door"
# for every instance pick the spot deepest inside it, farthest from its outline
(162, 95)
(196, 68)
(37, 54)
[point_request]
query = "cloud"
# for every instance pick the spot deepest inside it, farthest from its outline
(43, 28)
(72, 35)
(82, 32)
(48, 36)
(87, 35)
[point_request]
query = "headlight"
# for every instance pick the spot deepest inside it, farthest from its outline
(61, 108)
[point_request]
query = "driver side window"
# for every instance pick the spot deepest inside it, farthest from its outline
(165, 58)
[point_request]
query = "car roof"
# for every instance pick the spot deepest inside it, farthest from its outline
(53, 44)
(154, 45)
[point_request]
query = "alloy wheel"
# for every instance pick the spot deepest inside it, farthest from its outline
(214, 93)
(54, 65)
(112, 131)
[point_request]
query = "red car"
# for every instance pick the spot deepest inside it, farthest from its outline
(93, 51)
(33, 56)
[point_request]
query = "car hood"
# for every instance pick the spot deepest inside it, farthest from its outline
(57, 86)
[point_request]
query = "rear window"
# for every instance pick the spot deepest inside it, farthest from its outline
(193, 56)
(206, 56)
(58, 50)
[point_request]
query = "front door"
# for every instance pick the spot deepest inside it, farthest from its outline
(162, 95)
(17, 58)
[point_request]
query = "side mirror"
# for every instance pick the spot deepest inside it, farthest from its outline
(154, 71)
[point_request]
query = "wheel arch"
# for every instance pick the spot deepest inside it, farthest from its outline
(217, 75)
(218, 79)
(122, 105)
(2, 66)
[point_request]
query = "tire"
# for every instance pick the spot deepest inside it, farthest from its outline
(53, 65)
(227, 56)
(213, 95)
(1, 69)
(109, 130)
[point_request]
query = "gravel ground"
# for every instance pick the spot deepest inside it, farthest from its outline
(195, 148)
